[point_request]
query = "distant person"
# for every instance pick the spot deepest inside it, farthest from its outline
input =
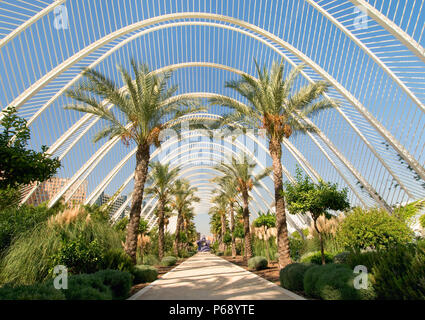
(203, 245)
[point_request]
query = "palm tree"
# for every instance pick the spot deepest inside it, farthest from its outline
(147, 106)
(160, 185)
(184, 196)
(274, 105)
(219, 209)
(240, 171)
(228, 190)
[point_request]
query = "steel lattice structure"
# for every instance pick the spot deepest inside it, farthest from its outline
(372, 52)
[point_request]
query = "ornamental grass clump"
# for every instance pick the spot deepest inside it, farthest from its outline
(33, 254)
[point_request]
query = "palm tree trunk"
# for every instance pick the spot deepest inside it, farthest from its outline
(140, 174)
(248, 247)
(267, 244)
(232, 229)
(161, 230)
(177, 235)
(223, 232)
(281, 227)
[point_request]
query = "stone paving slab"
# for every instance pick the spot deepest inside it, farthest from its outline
(208, 277)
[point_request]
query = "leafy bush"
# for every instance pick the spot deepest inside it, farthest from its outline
(341, 257)
(316, 257)
(373, 228)
(79, 255)
(116, 259)
(337, 283)
(9, 198)
(220, 253)
(296, 246)
(292, 276)
(364, 258)
(168, 261)
(144, 273)
(44, 291)
(257, 263)
(399, 273)
(87, 287)
(151, 260)
(102, 285)
(334, 282)
(15, 221)
(119, 282)
(31, 256)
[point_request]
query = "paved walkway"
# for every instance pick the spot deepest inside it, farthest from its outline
(208, 277)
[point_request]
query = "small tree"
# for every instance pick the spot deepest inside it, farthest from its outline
(305, 196)
(18, 165)
(266, 221)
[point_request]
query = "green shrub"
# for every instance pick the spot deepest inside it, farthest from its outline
(119, 282)
(257, 263)
(422, 221)
(151, 260)
(44, 291)
(373, 228)
(116, 259)
(31, 257)
(220, 253)
(292, 276)
(316, 257)
(144, 273)
(102, 285)
(15, 221)
(364, 258)
(310, 278)
(296, 246)
(79, 255)
(87, 287)
(341, 257)
(334, 282)
(399, 273)
(168, 261)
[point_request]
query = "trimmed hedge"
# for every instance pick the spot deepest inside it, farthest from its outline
(292, 276)
(257, 263)
(144, 273)
(41, 291)
(316, 257)
(168, 261)
(150, 259)
(102, 285)
(334, 282)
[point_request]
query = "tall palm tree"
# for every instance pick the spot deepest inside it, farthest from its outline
(147, 106)
(228, 190)
(275, 105)
(220, 208)
(184, 196)
(241, 171)
(160, 185)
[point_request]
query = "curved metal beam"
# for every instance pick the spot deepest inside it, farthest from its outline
(392, 28)
(84, 119)
(36, 87)
(29, 22)
(374, 57)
